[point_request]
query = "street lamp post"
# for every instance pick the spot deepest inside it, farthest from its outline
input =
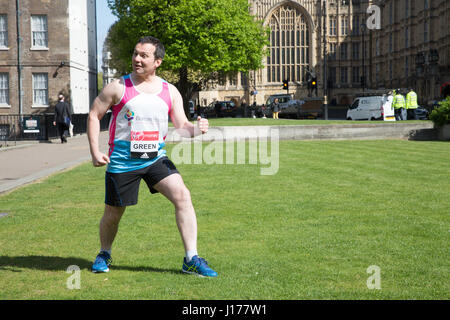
(363, 78)
(325, 81)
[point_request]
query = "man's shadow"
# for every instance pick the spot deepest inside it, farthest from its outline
(14, 264)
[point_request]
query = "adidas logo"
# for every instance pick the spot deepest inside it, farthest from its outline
(144, 156)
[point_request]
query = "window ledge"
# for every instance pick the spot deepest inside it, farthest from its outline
(5, 106)
(39, 49)
(4, 48)
(40, 106)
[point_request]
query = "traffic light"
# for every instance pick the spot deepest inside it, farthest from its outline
(314, 83)
(285, 85)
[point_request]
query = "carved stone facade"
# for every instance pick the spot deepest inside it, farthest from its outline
(411, 48)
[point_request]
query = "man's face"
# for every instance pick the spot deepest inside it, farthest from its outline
(144, 59)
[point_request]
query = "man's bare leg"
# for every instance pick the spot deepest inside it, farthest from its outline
(109, 224)
(174, 189)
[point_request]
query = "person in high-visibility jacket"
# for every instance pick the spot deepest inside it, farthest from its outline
(399, 105)
(411, 104)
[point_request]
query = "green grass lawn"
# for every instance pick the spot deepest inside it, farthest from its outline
(308, 232)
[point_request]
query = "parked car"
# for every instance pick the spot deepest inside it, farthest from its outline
(421, 113)
(221, 109)
(295, 108)
(371, 108)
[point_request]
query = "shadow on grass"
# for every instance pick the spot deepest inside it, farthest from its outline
(61, 264)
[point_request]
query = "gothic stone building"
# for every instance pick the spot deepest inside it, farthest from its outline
(396, 44)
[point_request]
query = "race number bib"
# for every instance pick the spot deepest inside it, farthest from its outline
(144, 144)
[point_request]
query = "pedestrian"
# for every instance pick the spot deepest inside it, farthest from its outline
(62, 118)
(275, 109)
(388, 101)
(411, 104)
(399, 105)
(140, 103)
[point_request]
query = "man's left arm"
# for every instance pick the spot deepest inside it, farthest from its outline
(184, 127)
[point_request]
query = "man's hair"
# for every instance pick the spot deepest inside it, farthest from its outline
(159, 47)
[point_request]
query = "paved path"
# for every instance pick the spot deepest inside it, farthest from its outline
(28, 162)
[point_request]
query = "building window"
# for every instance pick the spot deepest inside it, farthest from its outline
(377, 72)
(222, 79)
(333, 26)
(4, 89)
(406, 67)
(344, 26)
(289, 52)
(3, 31)
(332, 75)
(39, 30)
(355, 25)
(332, 55)
(355, 51)
(406, 37)
(377, 47)
(391, 12)
(391, 70)
(40, 89)
(344, 51)
(390, 43)
(355, 75)
(244, 79)
(344, 75)
(232, 79)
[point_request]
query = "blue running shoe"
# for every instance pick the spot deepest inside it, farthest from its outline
(198, 266)
(102, 262)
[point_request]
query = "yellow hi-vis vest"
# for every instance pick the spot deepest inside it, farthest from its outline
(399, 101)
(411, 100)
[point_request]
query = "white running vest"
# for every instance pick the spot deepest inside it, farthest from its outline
(138, 128)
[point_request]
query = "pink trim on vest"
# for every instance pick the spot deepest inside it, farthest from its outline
(165, 95)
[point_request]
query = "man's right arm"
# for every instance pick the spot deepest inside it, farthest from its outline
(107, 97)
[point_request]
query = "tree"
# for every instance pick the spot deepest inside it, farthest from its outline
(201, 37)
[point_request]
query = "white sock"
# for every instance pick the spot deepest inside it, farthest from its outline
(109, 251)
(190, 254)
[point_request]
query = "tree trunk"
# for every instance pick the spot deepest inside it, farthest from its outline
(185, 88)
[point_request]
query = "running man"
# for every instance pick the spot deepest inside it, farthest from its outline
(141, 103)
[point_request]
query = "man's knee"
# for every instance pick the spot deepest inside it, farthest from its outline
(113, 213)
(182, 196)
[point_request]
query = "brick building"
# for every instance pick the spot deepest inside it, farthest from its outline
(411, 48)
(47, 47)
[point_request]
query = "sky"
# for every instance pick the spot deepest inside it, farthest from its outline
(104, 20)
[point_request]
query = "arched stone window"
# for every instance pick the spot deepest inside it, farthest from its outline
(289, 50)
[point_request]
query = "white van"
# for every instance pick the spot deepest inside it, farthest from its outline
(372, 108)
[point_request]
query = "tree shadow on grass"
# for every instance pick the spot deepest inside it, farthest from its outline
(14, 264)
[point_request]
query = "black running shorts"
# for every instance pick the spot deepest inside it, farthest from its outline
(122, 189)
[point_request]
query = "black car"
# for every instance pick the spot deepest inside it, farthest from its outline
(421, 113)
(220, 109)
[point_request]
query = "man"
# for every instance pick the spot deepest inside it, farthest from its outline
(62, 118)
(411, 104)
(140, 103)
(399, 105)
